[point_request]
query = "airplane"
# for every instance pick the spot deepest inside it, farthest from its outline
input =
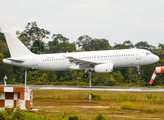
(98, 61)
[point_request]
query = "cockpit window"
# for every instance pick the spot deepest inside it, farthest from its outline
(148, 53)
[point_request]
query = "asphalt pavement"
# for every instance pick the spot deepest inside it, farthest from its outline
(97, 88)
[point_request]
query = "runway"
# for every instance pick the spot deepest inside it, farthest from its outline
(98, 88)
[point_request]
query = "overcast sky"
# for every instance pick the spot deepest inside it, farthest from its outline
(115, 20)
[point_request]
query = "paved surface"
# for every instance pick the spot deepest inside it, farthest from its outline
(98, 88)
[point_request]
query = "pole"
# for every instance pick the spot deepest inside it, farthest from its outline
(25, 79)
(90, 85)
(4, 82)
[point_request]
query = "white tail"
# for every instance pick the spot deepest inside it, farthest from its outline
(16, 47)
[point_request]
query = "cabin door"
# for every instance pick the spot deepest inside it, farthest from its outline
(35, 61)
(138, 55)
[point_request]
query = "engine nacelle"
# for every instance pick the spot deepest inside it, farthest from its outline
(108, 67)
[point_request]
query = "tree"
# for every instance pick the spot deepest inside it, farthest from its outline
(161, 46)
(125, 45)
(57, 39)
(144, 45)
(6, 70)
(38, 47)
(66, 78)
(37, 77)
(43, 79)
(118, 77)
(60, 44)
(32, 33)
(74, 75)
(19, 74)
(103, 79)
(146, 72)
(52, 76)
(2, 37)
(4, 49)
(86, 43)
(128, 43)
(111, 81)
(83, 42)
(98, 44)
(134, 79)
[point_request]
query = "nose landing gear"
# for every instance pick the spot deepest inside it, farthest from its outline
(138, 70)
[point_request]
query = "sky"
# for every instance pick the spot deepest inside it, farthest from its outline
(114, 20)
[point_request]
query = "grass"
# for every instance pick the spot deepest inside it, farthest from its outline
(64, 105)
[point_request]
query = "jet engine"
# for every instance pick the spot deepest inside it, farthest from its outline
(108, 67)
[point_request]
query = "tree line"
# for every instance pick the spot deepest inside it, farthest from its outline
(33, 37)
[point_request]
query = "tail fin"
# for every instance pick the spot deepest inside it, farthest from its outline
(16, 47)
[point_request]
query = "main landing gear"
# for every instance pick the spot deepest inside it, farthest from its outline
(86, 73)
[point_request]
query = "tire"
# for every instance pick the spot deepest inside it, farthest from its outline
(85, 75)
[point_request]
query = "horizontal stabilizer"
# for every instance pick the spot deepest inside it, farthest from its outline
(15, 60)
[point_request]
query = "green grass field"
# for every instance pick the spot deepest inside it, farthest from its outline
(73, 105)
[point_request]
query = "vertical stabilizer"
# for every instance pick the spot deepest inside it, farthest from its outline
(16, 47)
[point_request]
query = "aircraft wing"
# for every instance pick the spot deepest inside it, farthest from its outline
(80, 61)
(85, 62)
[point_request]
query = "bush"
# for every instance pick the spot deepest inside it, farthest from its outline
(3, 115)
(99, 117)
(96, 97)
(18, 114)
(129, 106)
(73, 118)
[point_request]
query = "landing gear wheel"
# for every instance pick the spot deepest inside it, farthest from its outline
(85, 75)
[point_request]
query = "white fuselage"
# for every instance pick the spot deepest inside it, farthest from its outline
(60, 62)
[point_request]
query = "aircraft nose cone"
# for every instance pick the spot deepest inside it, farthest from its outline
(156, 58)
